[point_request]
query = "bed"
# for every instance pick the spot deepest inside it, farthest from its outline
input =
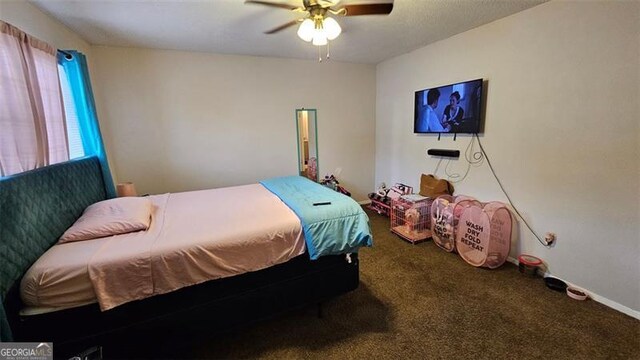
(61, 301)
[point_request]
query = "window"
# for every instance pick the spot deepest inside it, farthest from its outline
(32, 120)
(73, 128)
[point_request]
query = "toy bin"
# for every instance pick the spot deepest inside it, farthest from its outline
(410, 217)
(483, 237)
(445, 213)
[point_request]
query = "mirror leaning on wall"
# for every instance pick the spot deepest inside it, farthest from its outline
(306, 124)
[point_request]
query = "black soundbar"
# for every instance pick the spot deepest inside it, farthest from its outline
(444, 152)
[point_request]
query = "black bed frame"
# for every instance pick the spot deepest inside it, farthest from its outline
(199, 311)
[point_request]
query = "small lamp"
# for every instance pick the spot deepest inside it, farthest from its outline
(126, 189)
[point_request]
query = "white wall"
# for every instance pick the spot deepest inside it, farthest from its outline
(562, 132)
(33, 21)
(175, 121)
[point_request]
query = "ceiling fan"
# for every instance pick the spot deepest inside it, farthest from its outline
(317, 27)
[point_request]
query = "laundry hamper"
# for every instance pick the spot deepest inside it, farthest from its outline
(410, 217)
(483, 236)
(445, 213)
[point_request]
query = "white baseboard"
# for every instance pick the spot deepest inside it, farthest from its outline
(595, 297)
(364, 202)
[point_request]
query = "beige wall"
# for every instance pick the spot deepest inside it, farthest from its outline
(33, 21)
(562, 132)
(175, 121)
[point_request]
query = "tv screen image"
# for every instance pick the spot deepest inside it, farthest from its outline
(451, 108)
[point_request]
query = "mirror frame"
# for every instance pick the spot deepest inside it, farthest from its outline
(315, 123)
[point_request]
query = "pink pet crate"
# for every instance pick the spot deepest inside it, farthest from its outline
(410, 217)
(483, 236)
(445, 213)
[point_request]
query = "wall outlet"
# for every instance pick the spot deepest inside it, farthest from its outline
(550, 238)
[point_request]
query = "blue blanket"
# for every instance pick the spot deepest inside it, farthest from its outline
(337, 228)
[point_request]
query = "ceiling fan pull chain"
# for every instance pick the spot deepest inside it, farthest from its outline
(328, 53)
(319, 54)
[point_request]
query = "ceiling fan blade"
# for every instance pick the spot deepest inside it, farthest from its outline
(368, 9)
(266, 3)
(282, 27)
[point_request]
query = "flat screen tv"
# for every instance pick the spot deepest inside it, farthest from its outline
(451, 108)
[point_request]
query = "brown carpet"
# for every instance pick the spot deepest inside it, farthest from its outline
(417, 302)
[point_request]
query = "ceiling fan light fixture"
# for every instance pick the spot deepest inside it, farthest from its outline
(306, 31)
(332, 28)
(320, 37)
(317, 27)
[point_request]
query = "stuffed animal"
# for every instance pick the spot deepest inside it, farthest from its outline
(383, 190)
(412, 216)
(381, 194)
(330, 181)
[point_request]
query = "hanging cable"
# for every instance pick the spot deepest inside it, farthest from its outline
(484, 155)
(452, 176)
(473, 158)
(437, 166)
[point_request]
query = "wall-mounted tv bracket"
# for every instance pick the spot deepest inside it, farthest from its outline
(454, 136)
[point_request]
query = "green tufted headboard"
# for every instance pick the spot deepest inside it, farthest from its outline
(36, 207)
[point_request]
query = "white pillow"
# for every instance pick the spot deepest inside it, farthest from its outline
(110, 217)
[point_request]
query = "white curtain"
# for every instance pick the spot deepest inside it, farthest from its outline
(32, 123)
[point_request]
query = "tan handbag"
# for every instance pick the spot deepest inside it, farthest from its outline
(432, 187)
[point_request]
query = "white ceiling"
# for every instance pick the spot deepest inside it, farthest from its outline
(232, 27)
